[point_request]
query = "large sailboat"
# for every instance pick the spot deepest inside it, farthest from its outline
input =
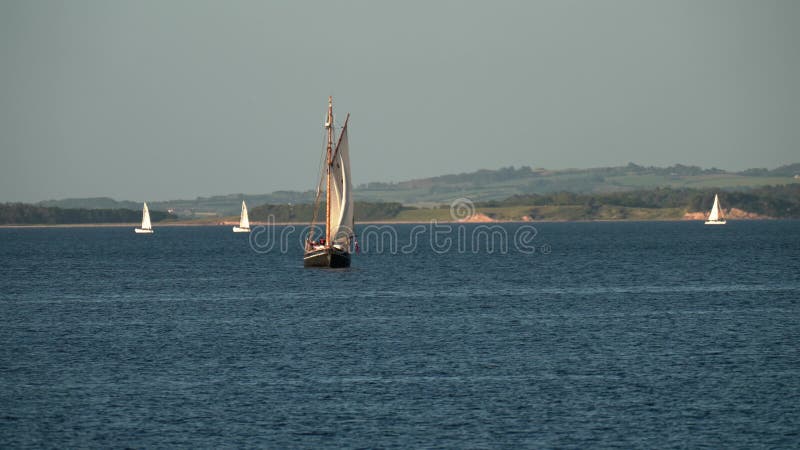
(715, 216)
(146, 227)
(244, 221)
(333, 249)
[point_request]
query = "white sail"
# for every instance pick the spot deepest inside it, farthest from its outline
(146, 218)
(244, 221)
(714, 216)
(146, 227)
(341, 193)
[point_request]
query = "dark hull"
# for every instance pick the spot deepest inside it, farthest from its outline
(329, 257)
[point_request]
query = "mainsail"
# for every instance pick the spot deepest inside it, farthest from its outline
(714, 216)
(146, 218)
(244, 221)
(341, 218)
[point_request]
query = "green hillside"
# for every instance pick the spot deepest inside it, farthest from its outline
(485, 185)
(650, 204)
(479, 186)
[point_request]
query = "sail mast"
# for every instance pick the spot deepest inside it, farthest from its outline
(329, 126)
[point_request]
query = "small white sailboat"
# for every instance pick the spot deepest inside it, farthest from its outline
(244, 221)
(715, 216)
(146, 228)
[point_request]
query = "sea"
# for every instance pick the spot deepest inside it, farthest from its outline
(527, 335)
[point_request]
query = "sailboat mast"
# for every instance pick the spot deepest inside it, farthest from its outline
(329, 126)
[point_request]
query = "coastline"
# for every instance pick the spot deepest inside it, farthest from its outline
(369, 222)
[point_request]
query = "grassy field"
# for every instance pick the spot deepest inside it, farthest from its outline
(424, 215)
(569, 182)
(548, 213)
(722, 181)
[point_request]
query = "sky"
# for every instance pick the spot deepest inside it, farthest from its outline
(156, 100)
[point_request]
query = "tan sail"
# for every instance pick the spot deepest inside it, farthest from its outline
(341, 211)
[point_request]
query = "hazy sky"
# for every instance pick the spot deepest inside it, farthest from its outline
(154, 100)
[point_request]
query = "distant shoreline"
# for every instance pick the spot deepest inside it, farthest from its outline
(372, 222)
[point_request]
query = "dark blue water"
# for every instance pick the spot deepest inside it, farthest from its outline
(623, 335)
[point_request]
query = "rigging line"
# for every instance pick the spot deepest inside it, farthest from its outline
(320, 175)
(339, 141)
(321, 166)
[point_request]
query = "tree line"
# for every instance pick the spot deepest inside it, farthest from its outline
(485, 176)
(774, 201)
(26, 214)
